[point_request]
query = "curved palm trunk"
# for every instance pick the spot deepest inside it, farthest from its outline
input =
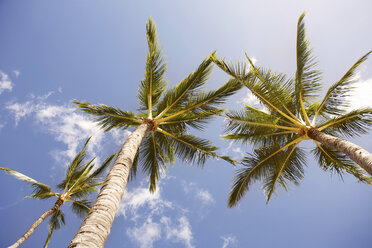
(356, 153)
(32, 228)
(96, 226)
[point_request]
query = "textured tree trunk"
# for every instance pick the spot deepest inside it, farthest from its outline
(32, 228)
(356, 153)
(96, 226)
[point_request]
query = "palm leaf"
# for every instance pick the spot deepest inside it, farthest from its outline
(40, 190)
(108, 117)
(81, 207)
(55, 223)
(177, 96)
(207, 101)
(334, 100)
(287, 166)
(153, 85)
(351, 124)
(338, 163)
(306, 82)
(257, 166)
(193, 149)
(153, 159)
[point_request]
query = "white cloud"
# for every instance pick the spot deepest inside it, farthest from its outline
(180, 233)
(205, 197)
(16, 73)
(66, 124)
(146, 234)
(5, 83)
(139, 199)
(200, 194)
(361, 95)
(237, 150)
(229, 240)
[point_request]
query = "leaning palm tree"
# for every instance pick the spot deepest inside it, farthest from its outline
(76, 188)
(161, 133)
(291, 116)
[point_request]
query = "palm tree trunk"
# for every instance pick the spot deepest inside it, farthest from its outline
(32, 228)
(96, 226)
(356, 153)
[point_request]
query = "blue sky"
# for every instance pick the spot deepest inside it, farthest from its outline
(52, 52)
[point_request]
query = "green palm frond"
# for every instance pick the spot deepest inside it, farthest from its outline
(238, 70)
(257, 166)
(153, 159)
(55, 223)
(40, 190)
(307, 79)
(177, 96)
(81, 207)
(334, 101)
(193, 149)
(153, 85)
(337, 163)
(287, 167)
(255, 126)
(98, 172)
(108, 117)
(351, 124)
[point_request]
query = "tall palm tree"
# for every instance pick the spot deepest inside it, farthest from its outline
(76, 188)
(292, 117)
(161, 133)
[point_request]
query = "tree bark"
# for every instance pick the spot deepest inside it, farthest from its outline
(354, 152)
(32, 228)
(96, 227)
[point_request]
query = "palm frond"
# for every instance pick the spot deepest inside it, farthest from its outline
(352, 124)
(108, 117)
(206, 101)
(81, 207)
(287, 167)
(338, 163)
(55, 223)
(153, 159)
(238, 70)
(153, 85)
(40, 190)
(255, 126)
(177, 96)
(98, 172)
(192, 149)
(307, 79)
(257, 166)
(334, 101)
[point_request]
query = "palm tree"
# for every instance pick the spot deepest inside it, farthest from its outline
(76, 187)
(161, 133)
(291, 118)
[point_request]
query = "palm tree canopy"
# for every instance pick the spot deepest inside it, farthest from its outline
(291, 112)
(170, 112)
(79, 182)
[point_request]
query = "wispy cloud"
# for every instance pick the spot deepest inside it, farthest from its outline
(66, 124)
(146, 234)
(154, 218)
(228, 241)
(5, 83)
(180, 233)
(200, 194)
(16, 73)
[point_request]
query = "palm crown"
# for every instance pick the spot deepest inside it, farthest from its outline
(169, 113)
(291, 117)
(79, 182)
